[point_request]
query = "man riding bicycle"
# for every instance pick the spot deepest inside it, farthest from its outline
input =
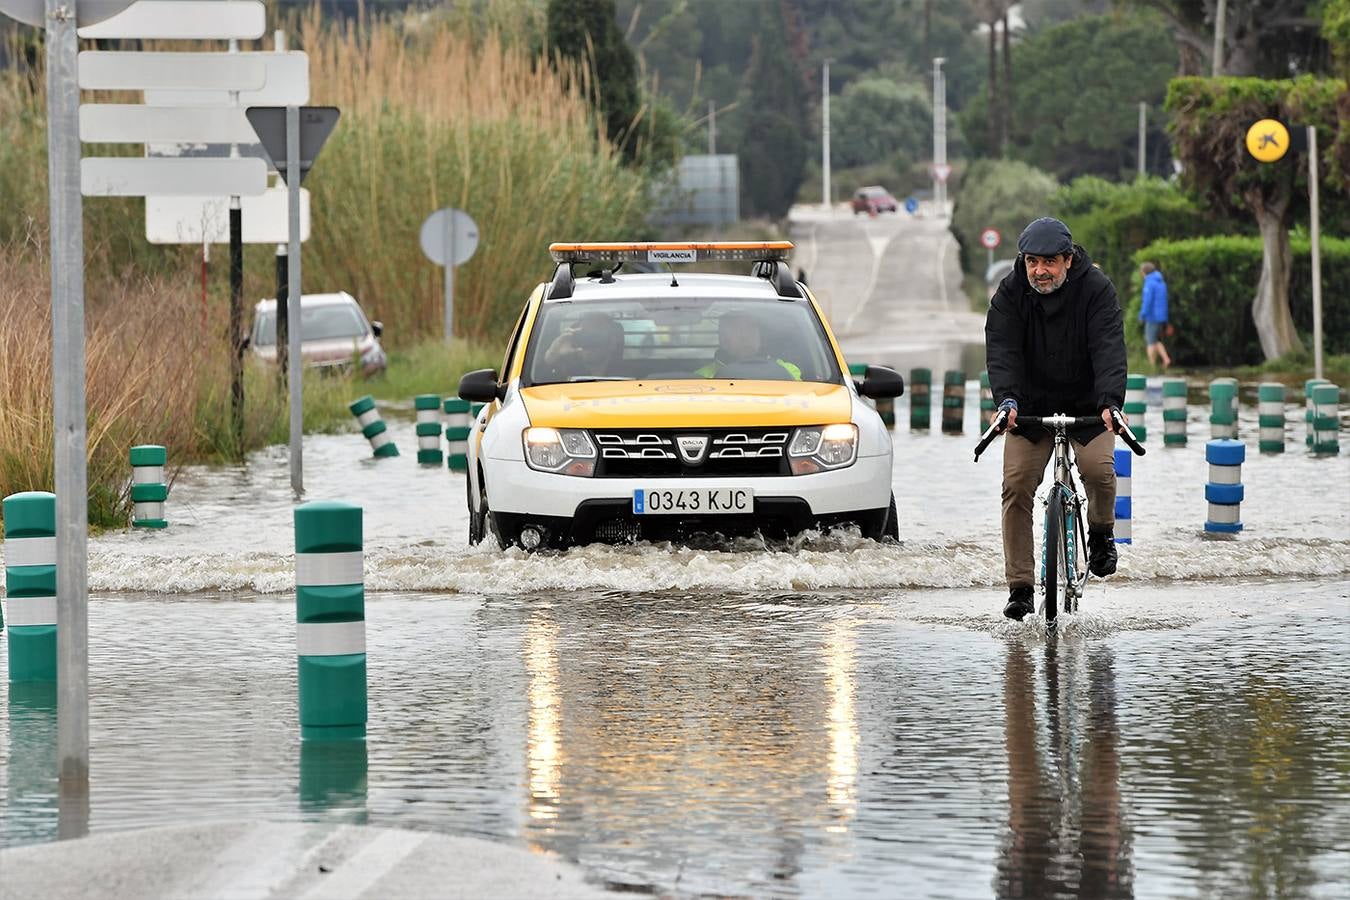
(1055, 344)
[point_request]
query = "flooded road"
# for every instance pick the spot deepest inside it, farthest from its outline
(826, 718)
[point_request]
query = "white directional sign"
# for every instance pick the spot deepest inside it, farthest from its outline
(206, 220)
(130, 71)
(130, 123)
(115, 176)
(287, 84)
(182, 20)
(449, 234)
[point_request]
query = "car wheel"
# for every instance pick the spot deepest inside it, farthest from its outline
(882, 528)
(477, 520)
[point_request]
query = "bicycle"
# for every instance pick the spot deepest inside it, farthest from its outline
(1064, 571)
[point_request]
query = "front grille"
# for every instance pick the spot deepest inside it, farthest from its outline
(726, 453)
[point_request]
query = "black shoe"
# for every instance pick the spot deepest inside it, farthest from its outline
(1020, 603)
(1101, 553)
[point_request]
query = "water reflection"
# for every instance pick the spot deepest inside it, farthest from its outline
(659, 758)
(333, 781)
(30, 769)
(1066, 834)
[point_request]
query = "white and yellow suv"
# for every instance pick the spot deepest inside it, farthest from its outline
(651, 405)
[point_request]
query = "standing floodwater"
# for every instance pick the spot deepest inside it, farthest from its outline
(824, 718)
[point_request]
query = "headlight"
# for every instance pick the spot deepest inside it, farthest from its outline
(821, 447)
(566, 451)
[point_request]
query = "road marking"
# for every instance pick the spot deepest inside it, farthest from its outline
(359, 872)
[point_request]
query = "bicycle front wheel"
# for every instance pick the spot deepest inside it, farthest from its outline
(1054, 551)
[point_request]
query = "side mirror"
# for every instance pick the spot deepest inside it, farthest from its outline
(880, 382)
(377, 327)
(480, 386)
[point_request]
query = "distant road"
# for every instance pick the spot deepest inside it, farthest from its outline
(891, 287)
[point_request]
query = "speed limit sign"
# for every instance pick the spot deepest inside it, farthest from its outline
(990, 238)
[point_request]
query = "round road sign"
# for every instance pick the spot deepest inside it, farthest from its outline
(1268, 140)
(449, 234)
(990, 238)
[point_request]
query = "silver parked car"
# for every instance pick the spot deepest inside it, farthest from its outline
(334, 332)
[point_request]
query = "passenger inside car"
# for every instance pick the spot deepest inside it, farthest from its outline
(590, 347)
(740, 352)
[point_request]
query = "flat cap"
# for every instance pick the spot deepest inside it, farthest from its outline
(1046, 236)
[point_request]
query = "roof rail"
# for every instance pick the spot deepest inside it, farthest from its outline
(563, 282)
(779, 275)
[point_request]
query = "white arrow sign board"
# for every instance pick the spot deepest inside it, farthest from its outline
(118, 176)
(206, 220)
(287, 84)
(130, 71)
(184, 20)
(118, 123)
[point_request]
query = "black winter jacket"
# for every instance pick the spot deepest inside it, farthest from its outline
(1062, 352)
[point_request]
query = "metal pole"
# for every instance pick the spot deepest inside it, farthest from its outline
(1316, 228)
(68, 414)
(293, 293)
(825, 192)
(237, 321)
(712, 128)
(939, 134)
(991, 258)
(448, 247)
(1143, 124)
(1220, 25)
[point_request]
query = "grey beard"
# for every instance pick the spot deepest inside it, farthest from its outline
(1054, 285)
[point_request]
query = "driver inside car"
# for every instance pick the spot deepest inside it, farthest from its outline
(739, 350)
(590, 347)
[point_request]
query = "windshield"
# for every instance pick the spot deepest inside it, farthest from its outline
(317, 323)
(679, 338)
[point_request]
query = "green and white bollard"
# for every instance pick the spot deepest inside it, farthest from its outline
(1223, 409)
(953, 401)
(1136, 404)
(1270, 417)
(920, 398)
(457, 428)
(1174, 412)
(1326, 419)
(373, 427)
(1308, 408)
(148, 488)
(30, 584)
(986, 402)
(330, 615)
(428, 408)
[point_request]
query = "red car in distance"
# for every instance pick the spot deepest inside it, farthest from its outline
(873, 199)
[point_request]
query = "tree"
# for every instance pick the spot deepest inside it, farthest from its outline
(1269, 38)
(772, 148)
(587, 32)
(1210, 118)
(1083, 81)
(877, 118)
(997, 193)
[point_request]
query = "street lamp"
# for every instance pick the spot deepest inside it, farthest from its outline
(825, 193)
(939, 137)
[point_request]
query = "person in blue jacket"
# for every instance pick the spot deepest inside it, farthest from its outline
(1153, 313)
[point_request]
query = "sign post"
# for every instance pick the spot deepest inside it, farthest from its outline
(449, 238)
(990, 238)
(292, 137)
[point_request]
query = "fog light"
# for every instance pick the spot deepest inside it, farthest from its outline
(531, 537)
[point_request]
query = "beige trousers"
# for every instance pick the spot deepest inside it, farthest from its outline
(1024, 465)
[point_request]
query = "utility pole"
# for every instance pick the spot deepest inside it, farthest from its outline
(825, 136)
(1220, 16)
(712, 128)
(1143, 124)
(939, 134)
(1316, 229)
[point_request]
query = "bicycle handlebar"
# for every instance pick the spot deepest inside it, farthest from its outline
(996, 427)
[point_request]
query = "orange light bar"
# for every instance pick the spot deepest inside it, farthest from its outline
(672, 251)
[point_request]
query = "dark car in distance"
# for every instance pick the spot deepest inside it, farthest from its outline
(873, 199)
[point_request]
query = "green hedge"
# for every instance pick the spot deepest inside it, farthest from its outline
(1210, 285)
(1112, 221)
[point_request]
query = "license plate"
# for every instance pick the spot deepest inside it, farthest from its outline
(693, 501)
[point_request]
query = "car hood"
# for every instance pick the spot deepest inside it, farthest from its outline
(334, 350)
(686, 404)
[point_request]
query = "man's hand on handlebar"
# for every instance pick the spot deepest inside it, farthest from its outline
(1109, 422)
(1011, 423)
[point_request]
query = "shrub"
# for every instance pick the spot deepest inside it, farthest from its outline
(1210, 285)
(1002, 194)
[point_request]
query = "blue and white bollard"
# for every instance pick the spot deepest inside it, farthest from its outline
(30, 585)
(457, 427)
(1124, 502)
(373, 427)
(148, 488)
(1224, 490)
(330, 615)
(428, 426)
